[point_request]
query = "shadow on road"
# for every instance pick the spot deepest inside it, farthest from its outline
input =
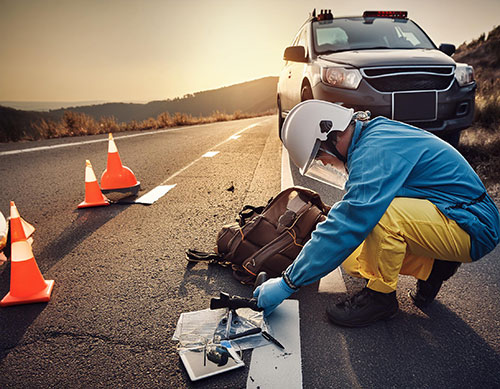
(430, 349)
(15, 320)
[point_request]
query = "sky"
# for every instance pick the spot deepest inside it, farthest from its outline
(131, 50)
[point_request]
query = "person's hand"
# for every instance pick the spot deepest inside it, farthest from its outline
(271, 294)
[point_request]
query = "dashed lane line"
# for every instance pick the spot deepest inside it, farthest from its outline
(154, 194)
(210, 154)
(162, 189)
(215, 147)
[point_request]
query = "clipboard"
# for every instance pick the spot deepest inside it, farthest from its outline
(198, 366)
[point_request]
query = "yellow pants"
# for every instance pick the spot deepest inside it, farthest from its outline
(408, 237)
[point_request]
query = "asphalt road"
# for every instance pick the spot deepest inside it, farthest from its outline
(121, 280)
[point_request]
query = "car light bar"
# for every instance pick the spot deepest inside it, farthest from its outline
(386, 14)
(325, 14)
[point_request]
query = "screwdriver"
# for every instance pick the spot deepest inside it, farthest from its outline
(268, 337)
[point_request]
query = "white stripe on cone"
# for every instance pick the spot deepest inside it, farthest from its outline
(89, 172)
(21, 251)
(112, 146)
(14, 213)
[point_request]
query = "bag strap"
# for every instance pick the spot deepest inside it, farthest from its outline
(203, 256)
(247, 212)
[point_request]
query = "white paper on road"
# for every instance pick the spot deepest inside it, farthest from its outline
(198, 327)
(272, 367)
(153, 195)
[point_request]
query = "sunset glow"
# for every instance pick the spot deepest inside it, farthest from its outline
(113, 50)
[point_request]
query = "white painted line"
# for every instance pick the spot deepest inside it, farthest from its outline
(272, 367)
(155, 194)
(234, 137)
(215, 147)
(286, 171)
(210, 154)
(41, 148)
(332, 283)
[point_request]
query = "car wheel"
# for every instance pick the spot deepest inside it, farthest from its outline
(306, 92)
(280, 118)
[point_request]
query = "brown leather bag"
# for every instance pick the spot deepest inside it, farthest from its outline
(267, 238)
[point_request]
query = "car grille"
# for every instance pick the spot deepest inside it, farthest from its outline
(397, 79)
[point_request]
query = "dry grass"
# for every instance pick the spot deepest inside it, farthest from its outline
(481, 147)
(480, 144)
(487, 113)
(75, 124)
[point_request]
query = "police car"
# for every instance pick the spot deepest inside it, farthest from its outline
(382, 62)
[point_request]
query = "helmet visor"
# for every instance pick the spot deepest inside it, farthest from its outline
(325, 167)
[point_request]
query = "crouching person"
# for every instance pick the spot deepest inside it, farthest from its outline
(413, 206)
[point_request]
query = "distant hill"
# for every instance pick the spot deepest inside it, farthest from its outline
(46, 105)
(484, 55)
(16, 124)
(251, 97)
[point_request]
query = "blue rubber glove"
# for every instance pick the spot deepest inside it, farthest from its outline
(271, 294)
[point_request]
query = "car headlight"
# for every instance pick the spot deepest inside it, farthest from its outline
(464, 74)
(341, 77)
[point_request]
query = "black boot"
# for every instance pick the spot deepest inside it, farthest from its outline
(363, 309)
(427, 290)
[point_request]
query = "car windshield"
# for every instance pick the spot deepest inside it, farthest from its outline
(371, 33)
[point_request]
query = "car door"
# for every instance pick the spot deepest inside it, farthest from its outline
(292, 75)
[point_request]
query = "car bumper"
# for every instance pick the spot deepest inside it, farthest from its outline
(455, 106)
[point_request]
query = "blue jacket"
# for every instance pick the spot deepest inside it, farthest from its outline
(388, 159)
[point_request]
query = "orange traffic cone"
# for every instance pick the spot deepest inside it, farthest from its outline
(116, 177)
(22, 230)
(26, 282)
(93, 194)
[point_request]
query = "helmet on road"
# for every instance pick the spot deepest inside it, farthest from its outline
(305, 128)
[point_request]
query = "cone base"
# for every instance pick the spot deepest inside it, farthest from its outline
(40, 297)
(84, 204)
(133, 190)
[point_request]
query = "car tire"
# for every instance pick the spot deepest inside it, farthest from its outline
(306, 92)
(281, 120)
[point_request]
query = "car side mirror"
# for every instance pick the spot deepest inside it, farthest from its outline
(447, 48)
(295, 54)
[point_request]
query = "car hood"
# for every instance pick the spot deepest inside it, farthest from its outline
(385, 57)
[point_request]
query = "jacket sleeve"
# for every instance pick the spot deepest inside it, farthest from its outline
(375, 178)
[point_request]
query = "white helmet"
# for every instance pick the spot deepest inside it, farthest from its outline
(305, 127)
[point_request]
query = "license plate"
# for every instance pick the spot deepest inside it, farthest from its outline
(414, 106)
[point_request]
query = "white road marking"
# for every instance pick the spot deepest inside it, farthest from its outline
(210, 154)
(272, 367)
(333, 282)
(155, 194)
(286, 172)
(215, 147)
(41, 148)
